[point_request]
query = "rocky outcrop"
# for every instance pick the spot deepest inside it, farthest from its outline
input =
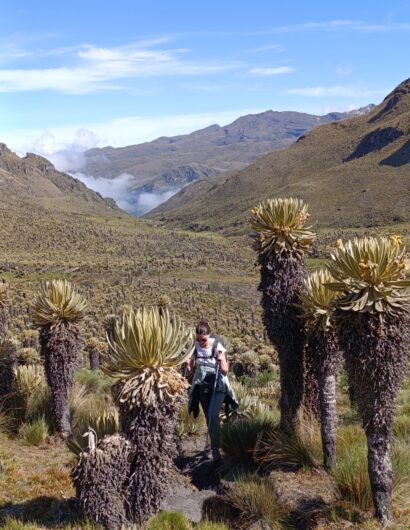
(375, 141)
(399, 158)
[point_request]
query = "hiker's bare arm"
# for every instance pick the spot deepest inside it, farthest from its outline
(223, 363)
(191, 364)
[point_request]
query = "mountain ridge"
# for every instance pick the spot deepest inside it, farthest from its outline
(352, 173)
(202, 153)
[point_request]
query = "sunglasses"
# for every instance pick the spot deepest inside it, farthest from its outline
(202, 339)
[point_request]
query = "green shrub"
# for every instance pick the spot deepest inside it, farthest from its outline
(34, 432)
(169, 521)
(239, 439)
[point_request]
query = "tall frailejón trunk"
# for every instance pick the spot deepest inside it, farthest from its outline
(311, 401)
(327, 366)
(328, 419)
(281, 282)
(152, 429)
(60, 347)
(376, 358)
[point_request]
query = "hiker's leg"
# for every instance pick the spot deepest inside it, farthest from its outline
(213, 414)
(204, 399)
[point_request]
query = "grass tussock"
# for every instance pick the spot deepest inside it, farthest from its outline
(276, 449)
(177, 521)
(169, 521)
(351, 472)
(10, 523)
(34, 432)
(240, 438)
(253, 496)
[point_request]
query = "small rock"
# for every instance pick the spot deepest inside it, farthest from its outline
(187, 500)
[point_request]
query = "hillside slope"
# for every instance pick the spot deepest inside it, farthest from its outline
(171, 162)
(33, 179)
(352, 173)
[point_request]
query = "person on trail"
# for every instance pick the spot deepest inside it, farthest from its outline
(210, 384)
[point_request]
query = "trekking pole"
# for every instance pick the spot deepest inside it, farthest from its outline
(210, 405)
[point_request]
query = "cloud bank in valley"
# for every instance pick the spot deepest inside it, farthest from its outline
(68, 156)
(120, 189)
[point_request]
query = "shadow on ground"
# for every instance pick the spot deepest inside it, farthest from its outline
(46, 511)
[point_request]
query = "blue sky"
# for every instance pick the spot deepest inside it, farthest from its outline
(91, 73)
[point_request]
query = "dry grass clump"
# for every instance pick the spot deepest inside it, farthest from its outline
(351, 472)
(254, 497)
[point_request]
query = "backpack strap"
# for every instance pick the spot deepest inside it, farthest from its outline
(217, 340)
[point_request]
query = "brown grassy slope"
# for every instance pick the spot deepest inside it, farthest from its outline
(36, 181)
(352, 173)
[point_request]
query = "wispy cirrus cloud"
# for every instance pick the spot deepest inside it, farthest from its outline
(94, 69)
(277, 48)
(12, 53)
(337, 91)
(278, 70)
(356, 25)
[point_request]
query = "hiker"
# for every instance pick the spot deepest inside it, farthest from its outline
(210, 384)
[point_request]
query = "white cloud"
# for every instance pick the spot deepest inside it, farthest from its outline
(120, 189)
(64, 155)
(278, 70)
(99, 69)
(149, 201)
(117, 188)
(337, 91)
